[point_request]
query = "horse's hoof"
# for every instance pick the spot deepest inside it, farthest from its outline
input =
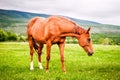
(31, 69)
(40, 67)
(64, 72)
(47, 71)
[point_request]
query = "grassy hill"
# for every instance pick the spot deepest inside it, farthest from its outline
(17, 20)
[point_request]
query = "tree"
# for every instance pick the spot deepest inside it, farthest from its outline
(3, 35)
(12, 36)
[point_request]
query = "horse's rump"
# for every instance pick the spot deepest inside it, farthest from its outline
(32, 22)
(30, 27)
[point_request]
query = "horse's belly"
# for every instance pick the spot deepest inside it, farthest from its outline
(40, 40)
(58, 40)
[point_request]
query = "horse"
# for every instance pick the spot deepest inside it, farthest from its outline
(54, 30)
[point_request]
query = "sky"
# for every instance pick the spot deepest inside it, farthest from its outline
(102, 11)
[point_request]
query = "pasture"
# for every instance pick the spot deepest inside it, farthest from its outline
(103, 65)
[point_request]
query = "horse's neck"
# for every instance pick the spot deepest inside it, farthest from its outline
(75, 32)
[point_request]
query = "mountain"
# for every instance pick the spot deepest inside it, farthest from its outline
(17, 20)
(19, 14)
(27, 15)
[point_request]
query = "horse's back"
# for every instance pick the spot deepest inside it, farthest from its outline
(50, 28)
(56, 25)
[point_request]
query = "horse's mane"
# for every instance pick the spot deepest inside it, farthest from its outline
(78, 30)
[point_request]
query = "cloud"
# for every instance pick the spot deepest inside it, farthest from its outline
(97, 10)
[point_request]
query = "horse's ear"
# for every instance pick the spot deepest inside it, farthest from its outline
(88, 30)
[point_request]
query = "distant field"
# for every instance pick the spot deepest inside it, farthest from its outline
(103, 65)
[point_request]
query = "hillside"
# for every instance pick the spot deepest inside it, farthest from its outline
(17, 20)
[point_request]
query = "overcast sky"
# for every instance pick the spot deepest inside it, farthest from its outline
(103, 11)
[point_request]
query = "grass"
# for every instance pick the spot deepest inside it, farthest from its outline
(103, 65)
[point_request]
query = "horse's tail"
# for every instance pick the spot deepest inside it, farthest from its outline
(35, 46)
(29, 28)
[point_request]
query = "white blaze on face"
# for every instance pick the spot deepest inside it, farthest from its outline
(31, 65)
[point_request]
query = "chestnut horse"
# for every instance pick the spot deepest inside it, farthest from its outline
(54, 30)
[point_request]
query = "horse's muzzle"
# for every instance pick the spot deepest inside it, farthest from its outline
(90, 53)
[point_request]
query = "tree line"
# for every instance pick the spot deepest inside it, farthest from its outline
(11, 36)
(97, 38)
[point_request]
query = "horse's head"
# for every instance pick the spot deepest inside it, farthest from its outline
(85, 41)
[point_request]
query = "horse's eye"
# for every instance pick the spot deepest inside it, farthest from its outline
(89, 40)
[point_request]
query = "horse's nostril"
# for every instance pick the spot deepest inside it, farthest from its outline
(90, 53)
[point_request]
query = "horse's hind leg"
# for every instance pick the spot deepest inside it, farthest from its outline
(31, 53)
(39, 56)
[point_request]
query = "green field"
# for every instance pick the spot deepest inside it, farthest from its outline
(103, 65)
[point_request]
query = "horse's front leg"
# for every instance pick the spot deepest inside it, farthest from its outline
(61, 47)
(39, 56)
(48, 49)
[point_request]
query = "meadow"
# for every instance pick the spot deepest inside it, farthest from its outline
(103, 65)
